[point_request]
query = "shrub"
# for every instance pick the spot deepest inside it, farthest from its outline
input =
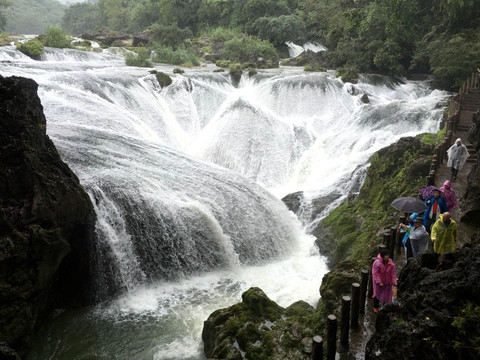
(33, 48)
(221, 33)
(169, 35)
(182, 55)
(139, 58)
(55, 37)
(245, 47)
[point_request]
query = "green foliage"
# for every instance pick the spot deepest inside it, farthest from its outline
(215, 13)
(31, 17)
(468, 340)
(449, 67)
(3, 19)
(182, 55)
(169, 35)
(245, 47)
(81, 17)
(221, 33)
(434, 139)
(280, 29)
(139, 58)
(5, 39)
(56, 37)
(32, 48)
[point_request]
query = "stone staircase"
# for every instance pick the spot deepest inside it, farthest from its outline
(469, 105)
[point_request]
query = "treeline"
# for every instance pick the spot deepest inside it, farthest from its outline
(30, 17)
(396, 37)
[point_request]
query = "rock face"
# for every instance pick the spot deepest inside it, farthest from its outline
(258, 328)
(438, 312)
(45, 218)
(471, 206)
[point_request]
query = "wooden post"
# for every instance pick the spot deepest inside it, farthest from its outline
(331, 337)
(355, 305)
(345, 323)
(363, 291)
(370, 278)
(317, 347)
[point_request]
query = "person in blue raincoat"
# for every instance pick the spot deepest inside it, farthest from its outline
(436, 205)
(406, 240)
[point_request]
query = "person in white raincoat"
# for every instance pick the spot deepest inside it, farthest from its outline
(457, 156)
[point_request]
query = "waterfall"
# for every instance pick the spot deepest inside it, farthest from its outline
(186, 182)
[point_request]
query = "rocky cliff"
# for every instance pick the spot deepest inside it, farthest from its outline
(45, 218)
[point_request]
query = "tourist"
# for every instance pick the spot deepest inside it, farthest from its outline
(457, 156)
(444, 234)
(449, 195)
(419, 237)
(436, 205)
(384, 278)
(406, 239)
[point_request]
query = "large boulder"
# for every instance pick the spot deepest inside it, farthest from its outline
(258, 328)
(438, 310)
(45, 218)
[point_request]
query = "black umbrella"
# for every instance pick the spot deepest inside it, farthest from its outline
(409, 204)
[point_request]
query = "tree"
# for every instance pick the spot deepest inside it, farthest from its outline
(280, 29)
(3, 19)
(81, 17)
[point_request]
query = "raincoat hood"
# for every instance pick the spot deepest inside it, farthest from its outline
(447, 184)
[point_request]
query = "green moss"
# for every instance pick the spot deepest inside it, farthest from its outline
(223, 63)
(252, 71)
(163, 79)
(235, 71)
(178, 71)
(32, 48)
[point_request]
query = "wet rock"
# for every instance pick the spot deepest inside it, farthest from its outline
(438, 310)
(257, 328)
(46, 218)
(365, 99)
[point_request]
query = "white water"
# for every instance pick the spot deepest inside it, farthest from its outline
(186, 183)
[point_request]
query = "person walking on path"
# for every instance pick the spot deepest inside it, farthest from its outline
(384, 278)
(457, 156)
(449, 195)
(419, 237)
(444, 234)
(436, 205)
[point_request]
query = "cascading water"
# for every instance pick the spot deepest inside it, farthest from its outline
(186, 182)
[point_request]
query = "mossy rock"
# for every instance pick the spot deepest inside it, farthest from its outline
(236, 71)
(32, 48)
(163, 79)
(252, 71)
(257, 325)
(178, 71)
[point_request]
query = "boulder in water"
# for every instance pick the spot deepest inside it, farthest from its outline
(257, 328)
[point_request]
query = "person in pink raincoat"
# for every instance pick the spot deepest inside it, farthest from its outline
(384, 278)
(449, 195)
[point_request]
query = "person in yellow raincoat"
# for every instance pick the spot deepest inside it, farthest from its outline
(444, 234)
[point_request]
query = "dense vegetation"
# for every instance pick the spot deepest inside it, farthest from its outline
(31, 17)
(396, 37)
